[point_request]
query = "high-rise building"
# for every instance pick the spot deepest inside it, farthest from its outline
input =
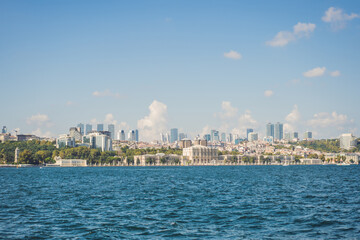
(347, 141)
(215, 136)
(182, 136)
(223, 137)
(174, 136)
(75, 133)
(132, 136)
(248, 130)
(294, 135)
(100, 127)
(65, 140)
(98, 140)
(230, 138)
(287, 136)
(252, 137)
(88, 129)
(307, 135)
(81, 126)
(137, 135)
(121, 135)
(4, 129)
(278, 131)
(270, 130)
(111, 129)
(207, 137)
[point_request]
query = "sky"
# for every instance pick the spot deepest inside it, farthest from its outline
(192, 65)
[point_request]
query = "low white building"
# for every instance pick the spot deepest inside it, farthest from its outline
(70, 162)
(200, 155)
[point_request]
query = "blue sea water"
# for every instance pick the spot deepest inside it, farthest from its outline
(229, 202)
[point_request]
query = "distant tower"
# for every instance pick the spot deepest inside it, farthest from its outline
(17, 153)
(4, 129)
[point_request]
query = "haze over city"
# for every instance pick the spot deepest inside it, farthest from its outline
(190, 65)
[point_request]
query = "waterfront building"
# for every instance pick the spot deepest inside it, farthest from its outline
(252, 137)
(98, 140)
(157, 159)
(174, 135)
(248, 130)
(200, 155)
(88, 129)
(65, 140)
(81, 127)
(111, 129)
(100, 127)
(74, 132)
(201, 142)
(270, 130)
(347, 141)
(185, 143)
(70, 162)
(307, 135)
(278, 131)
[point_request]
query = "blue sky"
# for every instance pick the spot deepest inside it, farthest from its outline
(195, 65)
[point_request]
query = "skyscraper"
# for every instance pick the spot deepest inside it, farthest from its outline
(223, 137)
(81, 126)
(215, 136)
(137, 135)
(248, 130)
(88, 128)
(131, 136)
(4, 129)
(182, 136)
(347, 141)
(308, 135)
(174, 136)
(100, 127)
(270, 130)
(111, 129)
(207, 137)
(121, 135)
(278, 131)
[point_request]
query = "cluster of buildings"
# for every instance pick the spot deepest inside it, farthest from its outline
(172, 136)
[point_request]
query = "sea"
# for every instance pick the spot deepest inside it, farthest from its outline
(194, 202)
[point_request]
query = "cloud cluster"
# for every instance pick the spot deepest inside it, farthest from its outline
(154, 123)
(39, 120)
(324, 120)
(337, 18)
(228, 111)
(268, 93)
(335, 73)
(284, 37)
(233, 55)
(109, 119)
(315, 72)
(106, 93)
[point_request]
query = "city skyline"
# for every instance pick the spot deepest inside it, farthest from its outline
(227, 67)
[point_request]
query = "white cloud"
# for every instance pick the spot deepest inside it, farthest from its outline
(335, 73)
(315, 72)
(294, 115)
(292, 119)
(233, 55)
(245, 121)
(109, 119)
(155, 123)
(268, 93)
(39, 133)
(228, 111)
(337, 18)
(106, 93)
(324, 120)
(39, 120)
(284, 37)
